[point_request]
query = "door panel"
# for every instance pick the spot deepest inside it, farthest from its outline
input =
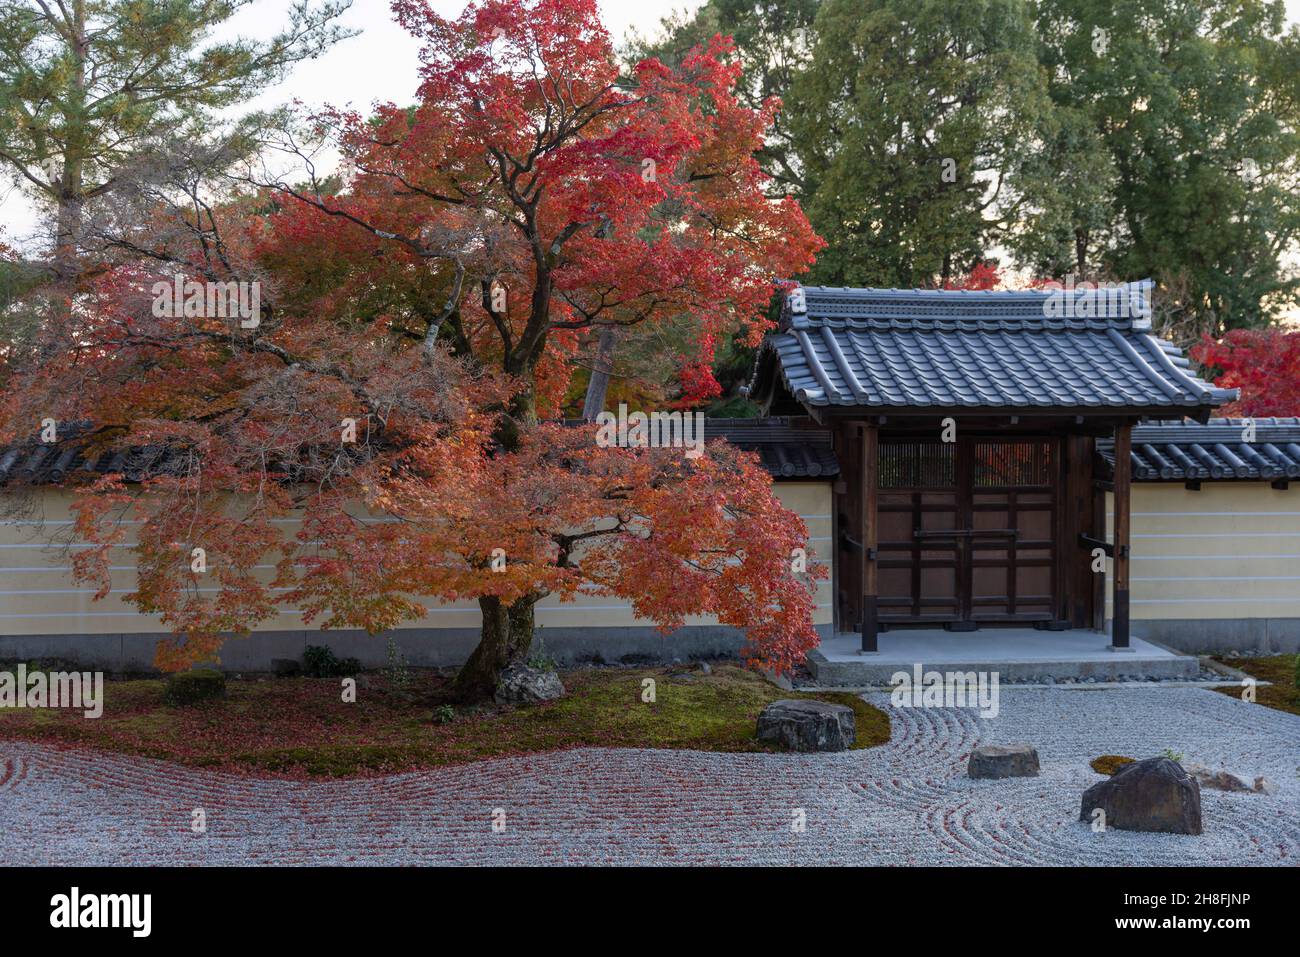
(966, 530)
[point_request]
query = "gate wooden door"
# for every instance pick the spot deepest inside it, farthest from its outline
(967, 531)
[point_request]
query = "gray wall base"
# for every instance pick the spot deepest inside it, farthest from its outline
(1250, 636)
(448, 647)
(440, 648)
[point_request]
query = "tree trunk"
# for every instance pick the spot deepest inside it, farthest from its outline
(67, 239)
(600, 372)
(69, 184)
(507, 630)
(521, 415)
(505, 636)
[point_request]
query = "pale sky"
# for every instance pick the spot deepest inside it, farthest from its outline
(378, 65)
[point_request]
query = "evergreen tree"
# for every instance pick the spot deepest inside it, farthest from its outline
(90, 87)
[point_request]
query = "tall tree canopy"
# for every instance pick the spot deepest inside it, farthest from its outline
(911, 119)
(1196, 106)
(1111, 140)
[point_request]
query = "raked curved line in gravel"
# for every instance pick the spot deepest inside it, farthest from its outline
(907, 802)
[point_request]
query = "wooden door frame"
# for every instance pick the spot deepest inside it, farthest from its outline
(1063, 528)
(1079, 499)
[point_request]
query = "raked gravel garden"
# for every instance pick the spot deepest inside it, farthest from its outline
(906, 802)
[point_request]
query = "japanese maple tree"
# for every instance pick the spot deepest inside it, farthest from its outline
(435, 301)
(1263, 363)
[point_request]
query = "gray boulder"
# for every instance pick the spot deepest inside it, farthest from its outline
(522, 684)
(285, 667)
(1152, 795)
(1003, 761)
(807, 725)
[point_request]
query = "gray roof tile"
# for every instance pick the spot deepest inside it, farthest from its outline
(786, 450)
(1190, 451)
(892, 348)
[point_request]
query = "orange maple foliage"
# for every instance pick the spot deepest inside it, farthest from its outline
(437, 301)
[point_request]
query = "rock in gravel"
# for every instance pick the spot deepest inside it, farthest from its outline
(806, 725)
(1218, 780)
(522, 684)
(1264, 786)
(1152, 795)
(1003, 761)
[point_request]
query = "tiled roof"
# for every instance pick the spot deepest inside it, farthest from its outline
(909, 349)
(37, 463)
(786, 450)
(1189, 451)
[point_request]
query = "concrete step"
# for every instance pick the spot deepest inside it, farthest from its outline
(1016, 654)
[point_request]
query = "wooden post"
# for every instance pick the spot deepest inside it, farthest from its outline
(870, 536)
(1123, 489)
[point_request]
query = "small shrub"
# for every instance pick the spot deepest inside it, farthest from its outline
(42, 665)
(397, 671)
(1108, 764)
(318, 661)
(540, 658)
(191, 687)
(1297, 671)
(444, 714)
(1173, 755)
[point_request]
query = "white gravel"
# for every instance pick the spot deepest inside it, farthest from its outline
(908, 802)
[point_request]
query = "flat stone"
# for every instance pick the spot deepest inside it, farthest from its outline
(1217, 780)
(1152, 795)
(1003, 761)
(808, 725)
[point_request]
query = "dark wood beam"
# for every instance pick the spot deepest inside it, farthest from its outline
(1123, 502)
(870, 537)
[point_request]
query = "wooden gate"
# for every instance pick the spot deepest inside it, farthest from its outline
(966, 531)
